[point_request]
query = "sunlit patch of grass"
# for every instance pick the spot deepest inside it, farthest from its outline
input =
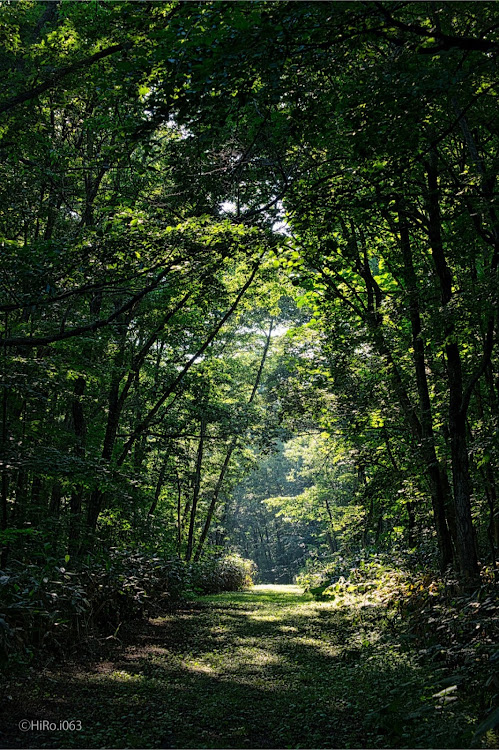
(161, 620)
(199, 667)
(255, 657)
(278, 589)
(264, 618)
(122, 676)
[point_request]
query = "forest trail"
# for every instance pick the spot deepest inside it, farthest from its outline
(269, 667)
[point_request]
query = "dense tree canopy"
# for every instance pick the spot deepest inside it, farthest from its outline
(249, 279)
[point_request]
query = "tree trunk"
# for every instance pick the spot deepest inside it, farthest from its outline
(466, 549)
(197, 487)
(159, 484)
(93, 509)
(232, 446)
(74, 520)
(117, 398)
(462, 491)
(179, 517)
(79, 426)
(433, 469)
(20, 498)
(4, 519)
(36, 491)
(55, 499)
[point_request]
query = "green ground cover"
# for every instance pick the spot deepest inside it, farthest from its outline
(267, 667)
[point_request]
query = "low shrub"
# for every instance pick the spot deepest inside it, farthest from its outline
(438, 617)
(55, 606)
(230, 573)
(361, 573)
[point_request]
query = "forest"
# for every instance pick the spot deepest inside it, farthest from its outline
(249, 430)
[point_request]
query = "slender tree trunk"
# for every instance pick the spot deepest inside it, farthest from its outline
(36, 489)
(93, 509)
(20, 497)
(197, 487)
(55, 499)
(466, 549)
(179, 517)
(221, 533)
(74, 531)
(4, 517)
(433, 470)
(159, 484)
(489, 486)
(117, 398)
(114, 410)
(330, 534)
(462, 487)
(232, 446)
(214, 500)
(435, 473)
(79, 426)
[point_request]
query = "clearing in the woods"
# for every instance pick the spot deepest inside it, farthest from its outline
(268, 667)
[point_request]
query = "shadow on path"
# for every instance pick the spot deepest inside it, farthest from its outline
(267, 668)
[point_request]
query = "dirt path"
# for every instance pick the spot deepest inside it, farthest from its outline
(267, 668)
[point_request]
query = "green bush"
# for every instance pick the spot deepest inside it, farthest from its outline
(362, 572)
(53, 606)
(230, 573)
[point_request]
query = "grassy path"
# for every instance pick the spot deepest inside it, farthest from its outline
(265, 668)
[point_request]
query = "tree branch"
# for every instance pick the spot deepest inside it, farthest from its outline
(90, 327)
(66, 70)
(171, 388)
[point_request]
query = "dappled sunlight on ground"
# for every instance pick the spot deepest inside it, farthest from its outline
(264, 668)
(288, 629)
(123, 676)
(264, 618)
(275, 589)
(199, 667)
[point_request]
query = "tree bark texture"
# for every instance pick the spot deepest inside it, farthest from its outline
(466, 548)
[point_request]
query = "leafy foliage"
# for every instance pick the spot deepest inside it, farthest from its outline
(54, 607)
(248, 308)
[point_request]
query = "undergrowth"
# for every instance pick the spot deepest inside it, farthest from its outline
(57, 605)
(436, 616)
